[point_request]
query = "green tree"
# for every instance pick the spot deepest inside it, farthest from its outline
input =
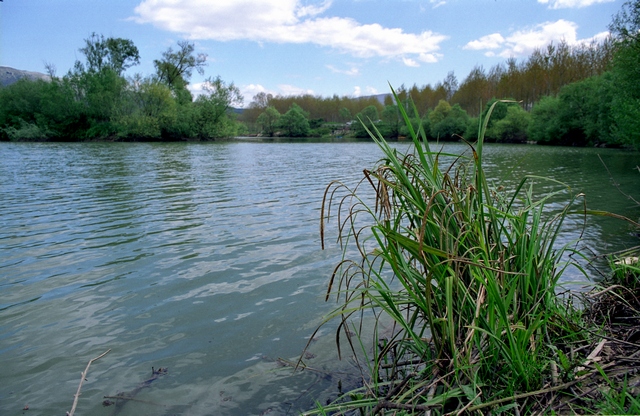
(176, 67)
(390, 118)
(150, 112)
(268, 120)
(513, 127)
(448, 122)
(345, 114)
(210, 117)
(439, 113)
(295, 122)
(20, 108)
(625, 27)
(545, 126)
(98, 85)
(367, 117)
(116, 54)
(585, 112)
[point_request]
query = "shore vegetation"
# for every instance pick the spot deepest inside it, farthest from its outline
(96, 101)
(449, 296)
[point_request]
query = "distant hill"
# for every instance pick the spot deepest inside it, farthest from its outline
(9, 75)
(379, 97)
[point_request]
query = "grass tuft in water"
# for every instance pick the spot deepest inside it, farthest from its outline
(458, 278)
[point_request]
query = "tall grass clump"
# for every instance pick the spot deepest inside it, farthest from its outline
(455, 278)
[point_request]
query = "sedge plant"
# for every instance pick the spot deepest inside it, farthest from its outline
(457, 278)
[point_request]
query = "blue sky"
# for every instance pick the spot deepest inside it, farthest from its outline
(321, 47)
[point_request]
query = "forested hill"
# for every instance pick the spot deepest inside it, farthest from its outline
(10, 76)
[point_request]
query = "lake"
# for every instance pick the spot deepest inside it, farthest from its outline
(205, 259)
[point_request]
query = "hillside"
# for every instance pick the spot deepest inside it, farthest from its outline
(9, 75)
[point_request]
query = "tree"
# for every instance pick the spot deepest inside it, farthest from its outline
(261, 100)
(450, 85)
(473, 91)
(391, 118)
(499, 112)
(625, 25)
(439, 113)
(545, 125)
(116, 54)
(447, 122)
(152, 113)
(366, 117)
(345, 114)
(98, 86)
(513, 127)
(626, 102)
(268, 120)
(294, 123)
(175, 68)
(369, 114)
(210, 115)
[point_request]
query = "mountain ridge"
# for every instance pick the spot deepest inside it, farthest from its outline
(10, 75)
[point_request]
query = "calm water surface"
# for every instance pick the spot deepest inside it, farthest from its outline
(203, 258)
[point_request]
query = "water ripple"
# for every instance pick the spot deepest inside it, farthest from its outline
(199, 257)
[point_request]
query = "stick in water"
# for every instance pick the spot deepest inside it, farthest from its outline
(83, 376)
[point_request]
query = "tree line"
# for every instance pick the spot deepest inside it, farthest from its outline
(585, 94)
(95, 100)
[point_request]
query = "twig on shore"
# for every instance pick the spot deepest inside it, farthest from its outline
(82, 378)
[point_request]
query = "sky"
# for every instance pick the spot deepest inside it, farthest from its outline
(290, 47)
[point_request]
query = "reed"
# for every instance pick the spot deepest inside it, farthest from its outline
(457, 278)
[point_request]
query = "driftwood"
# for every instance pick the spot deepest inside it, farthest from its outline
(82, 379)
(121, 398)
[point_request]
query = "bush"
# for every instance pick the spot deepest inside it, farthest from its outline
(513, 127)
(448, 122)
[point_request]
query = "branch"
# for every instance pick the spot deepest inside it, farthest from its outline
(83, 376)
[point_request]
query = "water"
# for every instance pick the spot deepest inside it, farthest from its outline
(203, 258)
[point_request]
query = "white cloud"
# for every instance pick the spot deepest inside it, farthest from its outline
(493, 41)
(196, 89)
(410, 62)
(524, 42)
(599, 37)
(567, 4)
(357, 91)
(287, 21)
(251, 90)
(429, 58)
(353, 71)
(286, 89)
(313, 10)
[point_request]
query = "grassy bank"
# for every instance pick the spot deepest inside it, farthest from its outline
(460, 281)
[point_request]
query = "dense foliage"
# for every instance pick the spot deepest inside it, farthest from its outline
(95, 100)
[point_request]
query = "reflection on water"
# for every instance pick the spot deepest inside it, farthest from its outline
(203, 258)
